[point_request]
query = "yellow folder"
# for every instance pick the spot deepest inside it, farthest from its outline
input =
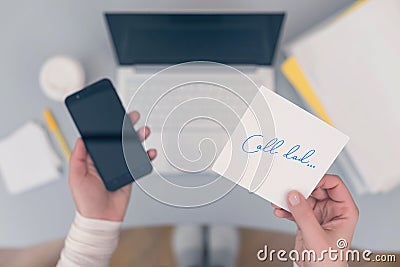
(291, 69)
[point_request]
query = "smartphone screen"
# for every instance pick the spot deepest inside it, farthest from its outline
(99, 116)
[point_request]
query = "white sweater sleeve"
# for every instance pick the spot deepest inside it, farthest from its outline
(89, 243)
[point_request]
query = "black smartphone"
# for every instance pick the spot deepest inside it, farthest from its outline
(99, 116)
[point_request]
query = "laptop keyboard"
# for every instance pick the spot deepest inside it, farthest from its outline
(197, 106)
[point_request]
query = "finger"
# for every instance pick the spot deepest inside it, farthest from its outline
(89, 160)
(338, 192)
(152, 153)
(90, 165)
(134, 116)
(312, 201)
(280, 213)
(127, 189)
(320, 193)
(78, 158)
(275, 206)
(335, 188)
(306, 221)
(143, 133)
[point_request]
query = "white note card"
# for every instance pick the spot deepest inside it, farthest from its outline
(300, 150)
(27, 159)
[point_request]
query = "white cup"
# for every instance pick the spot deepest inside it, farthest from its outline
(60, 76)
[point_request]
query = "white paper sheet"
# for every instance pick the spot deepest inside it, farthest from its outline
(27, 159)
(308, 148)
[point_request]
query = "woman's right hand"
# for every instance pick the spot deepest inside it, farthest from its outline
(327, 219)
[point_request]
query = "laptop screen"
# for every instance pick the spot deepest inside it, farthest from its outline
(175, 38)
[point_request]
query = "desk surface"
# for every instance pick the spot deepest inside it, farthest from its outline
(33, 31)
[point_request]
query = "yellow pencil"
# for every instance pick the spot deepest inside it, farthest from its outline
(53, 127)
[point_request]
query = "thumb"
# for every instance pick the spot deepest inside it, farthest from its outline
(312, 232)
(78, 159)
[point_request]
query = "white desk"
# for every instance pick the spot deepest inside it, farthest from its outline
(32, 31)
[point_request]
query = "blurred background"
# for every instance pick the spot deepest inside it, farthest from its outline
(35, 31)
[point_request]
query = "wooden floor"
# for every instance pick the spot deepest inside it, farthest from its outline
(150, 247)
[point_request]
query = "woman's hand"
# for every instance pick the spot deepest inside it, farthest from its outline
(327, 216)
(91, 198)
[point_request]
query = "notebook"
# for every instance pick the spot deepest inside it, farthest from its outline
(347, 71)
(27, 159)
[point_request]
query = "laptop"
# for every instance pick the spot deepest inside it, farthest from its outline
(147, 43)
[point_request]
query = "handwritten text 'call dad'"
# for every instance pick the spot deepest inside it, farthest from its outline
(274, 146)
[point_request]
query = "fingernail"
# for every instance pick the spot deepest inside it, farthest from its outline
(294, 198)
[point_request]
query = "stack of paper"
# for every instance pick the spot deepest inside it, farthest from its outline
(347, 70)
(27, 159)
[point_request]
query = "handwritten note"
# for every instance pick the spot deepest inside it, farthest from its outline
(273, 146)
(294, 156)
